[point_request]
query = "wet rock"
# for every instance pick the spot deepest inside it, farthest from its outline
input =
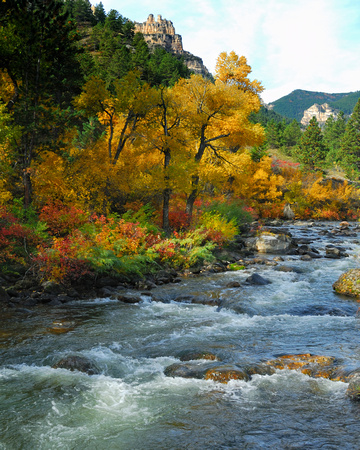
(285, 269)
(259, 369)
(320, 310)
(353, 390)
(107, 282)
(278, 259)
(344, 225)
(51, 287)
(233, 284)
(60, 327)
(77, 362)
(257, 279)
(165, 277)
(195, 355)
(4, 296)
(313, 365)
(348, 284)
(186, 370)
(130, 299)
(223, 374)
(12, 292)
(306, 258)
(197, 300)
(105, 292)
(30, 302)
(335, 252)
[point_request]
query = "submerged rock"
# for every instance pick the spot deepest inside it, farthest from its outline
(349, 283)
(257, 279)
(77, 362)
(187, 370)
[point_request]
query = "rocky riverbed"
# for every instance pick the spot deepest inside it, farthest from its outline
(254, 350)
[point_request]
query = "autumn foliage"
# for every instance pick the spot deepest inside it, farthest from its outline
(126, 174)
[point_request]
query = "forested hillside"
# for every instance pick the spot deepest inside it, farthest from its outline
(294, 104)
(115, 159)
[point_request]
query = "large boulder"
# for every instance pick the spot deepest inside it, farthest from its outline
(288, 213)
(272, 243)
(348, 283)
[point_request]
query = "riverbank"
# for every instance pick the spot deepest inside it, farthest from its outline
(26, 292)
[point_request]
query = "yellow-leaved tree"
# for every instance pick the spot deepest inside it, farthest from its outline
(217, 117)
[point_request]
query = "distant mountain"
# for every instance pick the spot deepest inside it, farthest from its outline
(293, 105)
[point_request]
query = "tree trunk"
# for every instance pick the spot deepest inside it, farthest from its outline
(166, 194)
(166, 208)
(192, 197)
(27, 188)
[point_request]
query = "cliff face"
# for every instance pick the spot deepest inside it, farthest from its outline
(162, 33)
(321, 112)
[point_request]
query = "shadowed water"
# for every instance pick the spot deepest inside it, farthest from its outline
(133, 405)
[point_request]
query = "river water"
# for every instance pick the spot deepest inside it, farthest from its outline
(133, 405)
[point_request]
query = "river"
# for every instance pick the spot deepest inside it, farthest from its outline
(133, 405)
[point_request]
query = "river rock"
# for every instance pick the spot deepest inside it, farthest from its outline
(131, 299)
(77, 362)
(51, 287)
(257, 279)
(335, 252)
(223, 374)
(353, 390)
(191, 355)
(319, 310)
(233, 284)
(4, 296)
(187, 370)
(313, 365)
(197, 300)
(273, 243)
(349, 283)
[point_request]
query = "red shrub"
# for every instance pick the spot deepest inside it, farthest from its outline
(61, 219)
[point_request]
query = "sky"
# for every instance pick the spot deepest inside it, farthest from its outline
(290, 44)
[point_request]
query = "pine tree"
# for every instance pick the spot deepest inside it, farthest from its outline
(292, 134)
(312, 150)
(350, 145)
(333, 134)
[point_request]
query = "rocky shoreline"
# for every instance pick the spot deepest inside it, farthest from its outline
(272, 245)
(24, 293)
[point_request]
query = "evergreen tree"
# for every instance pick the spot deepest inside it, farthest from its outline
(350, 145)
(274, 133)
(99, 13)
(312, 150)
(333, 133)
(292, 134)
(41, 62)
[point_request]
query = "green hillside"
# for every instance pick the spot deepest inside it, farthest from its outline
(294, 104)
